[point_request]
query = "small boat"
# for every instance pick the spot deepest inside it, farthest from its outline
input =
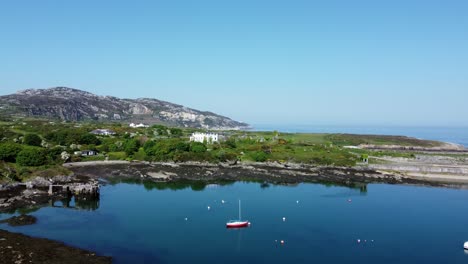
(238, 223)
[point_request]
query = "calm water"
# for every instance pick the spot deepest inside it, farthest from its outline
(458, 135)
(137, 224)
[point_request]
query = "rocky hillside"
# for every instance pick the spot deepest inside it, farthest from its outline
(76, 105)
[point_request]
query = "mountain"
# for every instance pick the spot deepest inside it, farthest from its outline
(76, 105)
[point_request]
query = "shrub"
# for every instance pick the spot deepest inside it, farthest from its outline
(197, 147)
(259, 156)
(175, 132)
(117, 155)
(182, 146)
(9, 151)
(32, 140)
(231, 143)
(89, 139)
(54, 154)
(225, 156)
(59, 137)
(131, 146)
(139, 155)
(165, 149)
(31, 157)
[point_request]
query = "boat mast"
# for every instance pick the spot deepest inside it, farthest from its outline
(239, 210)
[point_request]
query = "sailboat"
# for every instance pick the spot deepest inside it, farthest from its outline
(237, 223)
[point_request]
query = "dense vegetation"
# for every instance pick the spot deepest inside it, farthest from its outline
(30, 147)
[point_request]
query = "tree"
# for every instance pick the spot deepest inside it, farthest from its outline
(148, 147)
(176, 132)
(9, 151)
(182, 146)
(31, 157)
(89, 139)
(131, 146)
(54, 154)
(32, 140)
(160, 130)
(59, 137)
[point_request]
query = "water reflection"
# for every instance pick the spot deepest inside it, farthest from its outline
(200, 185)
(173, 185)
(88, 203)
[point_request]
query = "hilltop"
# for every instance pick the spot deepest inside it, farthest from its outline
(70, 104)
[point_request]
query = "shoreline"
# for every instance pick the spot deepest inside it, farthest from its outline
(393, 173)
(87, 176)
(19, 248)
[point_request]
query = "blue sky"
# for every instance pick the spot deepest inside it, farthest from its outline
(398, 62)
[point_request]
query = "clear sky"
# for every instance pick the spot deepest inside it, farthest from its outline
(398, 62)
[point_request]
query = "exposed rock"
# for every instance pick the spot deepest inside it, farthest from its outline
(18, 248)
(76, 105)
(21, 220)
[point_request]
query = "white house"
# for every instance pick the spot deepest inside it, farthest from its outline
(85, 153)
(102, 132)
(138, 125)
(202, 137)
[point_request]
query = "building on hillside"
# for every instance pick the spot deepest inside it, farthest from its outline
(103, 132)
(86, 153)
(204, 137)
(138, 125)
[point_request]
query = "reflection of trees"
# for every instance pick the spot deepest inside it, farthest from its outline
(200, 185)
(195, 185)
(362, 187)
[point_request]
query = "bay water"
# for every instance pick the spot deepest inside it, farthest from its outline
(158, 223)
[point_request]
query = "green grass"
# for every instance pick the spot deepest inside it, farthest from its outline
(354, 140)
(93, 158)
(117, 155)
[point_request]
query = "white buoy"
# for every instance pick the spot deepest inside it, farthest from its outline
(209, 207)
(284, 219)
(465, 246)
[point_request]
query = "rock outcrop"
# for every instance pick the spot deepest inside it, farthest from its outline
(75, 105)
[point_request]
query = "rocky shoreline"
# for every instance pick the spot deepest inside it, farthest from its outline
(87, 176)
(269, 172)
(18, 248)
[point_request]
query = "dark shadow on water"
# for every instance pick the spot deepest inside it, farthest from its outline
(86, 203)
(173, 185)
(200, 185)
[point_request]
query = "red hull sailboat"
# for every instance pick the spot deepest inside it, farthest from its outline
(238, 223)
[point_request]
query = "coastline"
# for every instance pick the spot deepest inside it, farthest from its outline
(19, 248)
(87, 176)
(275, 172)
